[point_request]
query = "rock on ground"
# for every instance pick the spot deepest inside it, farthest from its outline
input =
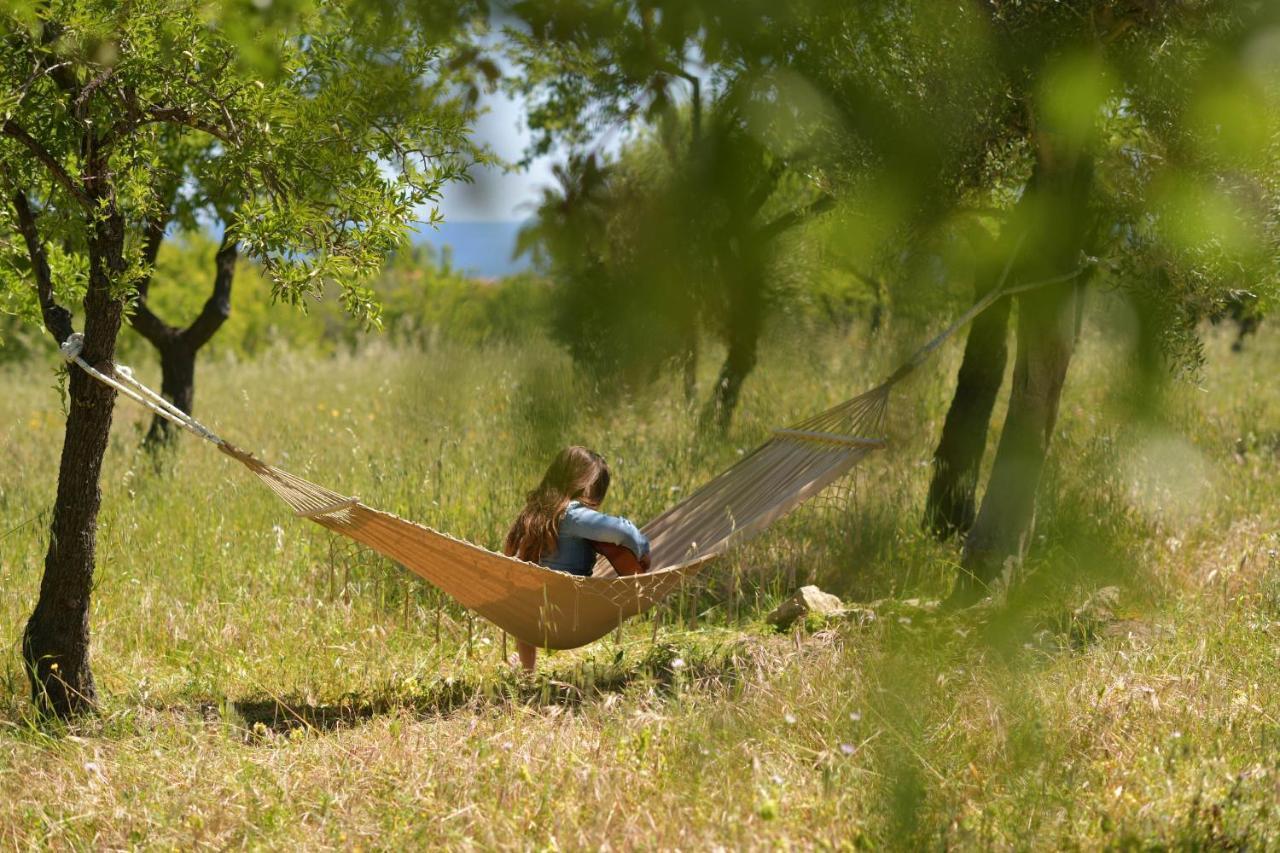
(807, 600)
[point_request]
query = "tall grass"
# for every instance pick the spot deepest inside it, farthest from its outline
(267, 684)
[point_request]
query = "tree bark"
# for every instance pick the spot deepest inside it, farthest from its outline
(1060, 226)
(177, 385)
(55, 644)
(745, 263)
(952, 502)
(1046, 341)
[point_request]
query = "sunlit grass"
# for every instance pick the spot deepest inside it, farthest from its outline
(266, 683)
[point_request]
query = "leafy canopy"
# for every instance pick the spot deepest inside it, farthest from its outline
(316, 135)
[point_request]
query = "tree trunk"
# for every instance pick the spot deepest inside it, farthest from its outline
(1046, 341)
(177, 385)
(178, 347)
(746, 320)
(689, 368)
(951, 505)
(1059, 228)
(55, 644)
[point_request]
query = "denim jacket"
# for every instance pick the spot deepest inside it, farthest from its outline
(579, 525)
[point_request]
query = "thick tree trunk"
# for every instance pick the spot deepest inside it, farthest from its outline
(1059, 228)
(55, 643)
(1046, 341)
(951, 505)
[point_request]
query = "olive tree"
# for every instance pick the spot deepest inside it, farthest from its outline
(1144, 170)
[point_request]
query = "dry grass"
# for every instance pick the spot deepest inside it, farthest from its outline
(266, 686)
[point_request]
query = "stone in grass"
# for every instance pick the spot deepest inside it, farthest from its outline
(807, 601)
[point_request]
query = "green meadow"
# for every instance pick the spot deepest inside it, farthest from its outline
(265, 684)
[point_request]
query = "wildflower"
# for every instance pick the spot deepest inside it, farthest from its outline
(848, 748)
(789, 718)
(677, 663)
(855, 716)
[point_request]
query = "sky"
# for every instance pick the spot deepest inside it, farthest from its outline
(497, 196)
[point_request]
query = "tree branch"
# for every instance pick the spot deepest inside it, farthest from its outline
(758, 196)
(56, 318)
(14, 131)
(173, 115)
(151, 327)
(83, 97)
(61, 72)
(155, 236)
(794, 217)
(695, 96)
(139, 116)
(144, 321)
(218, 307)
(142, 318)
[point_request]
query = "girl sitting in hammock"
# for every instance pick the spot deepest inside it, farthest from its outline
(561, 526)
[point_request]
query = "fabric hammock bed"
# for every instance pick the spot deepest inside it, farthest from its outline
(554, 609)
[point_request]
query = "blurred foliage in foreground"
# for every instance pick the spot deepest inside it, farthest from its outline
(892, 150)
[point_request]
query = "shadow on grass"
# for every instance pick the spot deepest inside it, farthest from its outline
(665, 669)
(1042, 627)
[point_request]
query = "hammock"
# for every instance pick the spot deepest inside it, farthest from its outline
(552, 609)
(557, 610)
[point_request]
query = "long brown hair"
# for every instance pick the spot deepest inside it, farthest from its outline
(576, 474)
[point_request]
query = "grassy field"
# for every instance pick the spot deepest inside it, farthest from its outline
(264, 684)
